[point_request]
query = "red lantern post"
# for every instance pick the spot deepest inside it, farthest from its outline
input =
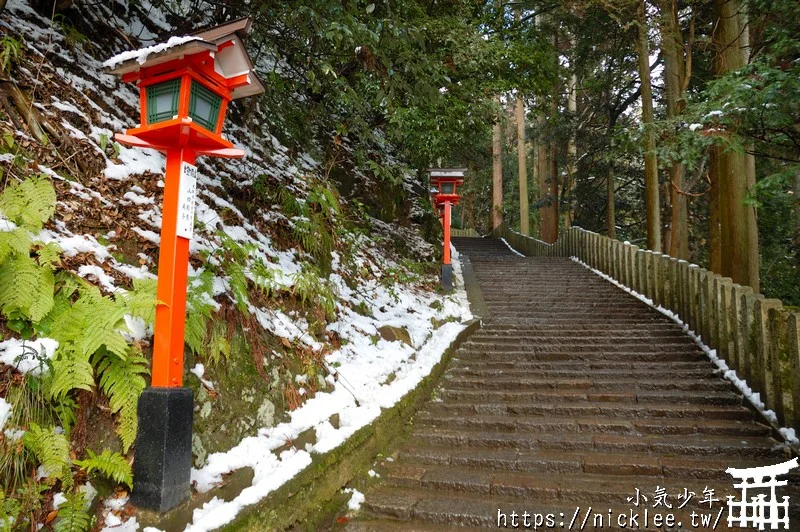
(185, 87)
(445, 183)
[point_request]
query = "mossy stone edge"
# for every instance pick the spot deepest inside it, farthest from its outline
(329, 472)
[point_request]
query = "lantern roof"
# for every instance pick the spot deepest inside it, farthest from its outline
(224, 43)
(447, 172)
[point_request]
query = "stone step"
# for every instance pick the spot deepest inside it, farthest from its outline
(431, 506)
(548, 462)
(380, 525)
(582, 346)
(622, 366)
(577, 321)
(492, 328)
(571, 395)
(566, 373)
(585, 487)
(531, 356)
(691, 445)
(621, 410)
(583, 382)
(616, 425)
(578, 396)
(557, 338)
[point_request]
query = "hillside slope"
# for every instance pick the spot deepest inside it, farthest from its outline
(300, 307)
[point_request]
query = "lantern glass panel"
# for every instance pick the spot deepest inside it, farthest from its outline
(204, 106)
(162, 101)
(448, 188)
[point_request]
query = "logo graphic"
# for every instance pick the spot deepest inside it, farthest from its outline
(759, 510)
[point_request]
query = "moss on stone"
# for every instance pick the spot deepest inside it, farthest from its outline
(305, 498)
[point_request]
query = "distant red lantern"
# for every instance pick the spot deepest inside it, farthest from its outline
(444, 187)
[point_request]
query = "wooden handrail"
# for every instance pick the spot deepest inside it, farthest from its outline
(757, 337)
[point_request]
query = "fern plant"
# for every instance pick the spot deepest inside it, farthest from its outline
(29, 203)
(121, 379)
(10, 49)
(51, 449)
(73, 515)
(312, 289)
(9, 511)
(112, 465)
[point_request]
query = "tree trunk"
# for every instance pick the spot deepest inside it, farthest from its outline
(548, 175)
(542, 172)
(572, 153)
(674, 80)
(611, 212)
(497, 174)
(750, 159)
(522, 160)
(714, 229)
(738, 227)
(797, 210)
(522, 156)
(572, 148)
(650, 162)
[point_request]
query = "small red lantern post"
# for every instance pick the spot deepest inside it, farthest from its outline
(185, 86)
(445, 183)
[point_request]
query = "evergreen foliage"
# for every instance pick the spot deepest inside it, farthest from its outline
(51, 449)
(73, 515)
(112, 465)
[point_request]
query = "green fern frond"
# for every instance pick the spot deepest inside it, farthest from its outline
(238, 284)
(71, 370)
(121, 380)
(141, 301)
(219, 347)
(16, 242)
(29, 203)
(112, 465)
(49, 255)
(19, 283)
(196, 325)
(43, 301)
(103, 317)
(68, 323)
(50, 449)
(73, 515)
(199, 310)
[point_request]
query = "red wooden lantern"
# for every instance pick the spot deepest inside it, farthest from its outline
(445, 183)
(185, 87)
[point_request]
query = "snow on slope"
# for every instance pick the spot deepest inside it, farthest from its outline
(368, 373)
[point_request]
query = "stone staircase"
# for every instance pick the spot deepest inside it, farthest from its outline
(572, 395)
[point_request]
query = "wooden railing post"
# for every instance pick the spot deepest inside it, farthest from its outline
(760, 339)
(706, 278)
(749, 332)
(780, 362)
(693, 310)
(739, 337)
(793, 342)
(633, 272)
(724, 288)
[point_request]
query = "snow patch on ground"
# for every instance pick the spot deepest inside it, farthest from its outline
(5, 412)
(360, 375)
(356, 500)
(28, 356)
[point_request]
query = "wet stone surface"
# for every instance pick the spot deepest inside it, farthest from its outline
(572, 394)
